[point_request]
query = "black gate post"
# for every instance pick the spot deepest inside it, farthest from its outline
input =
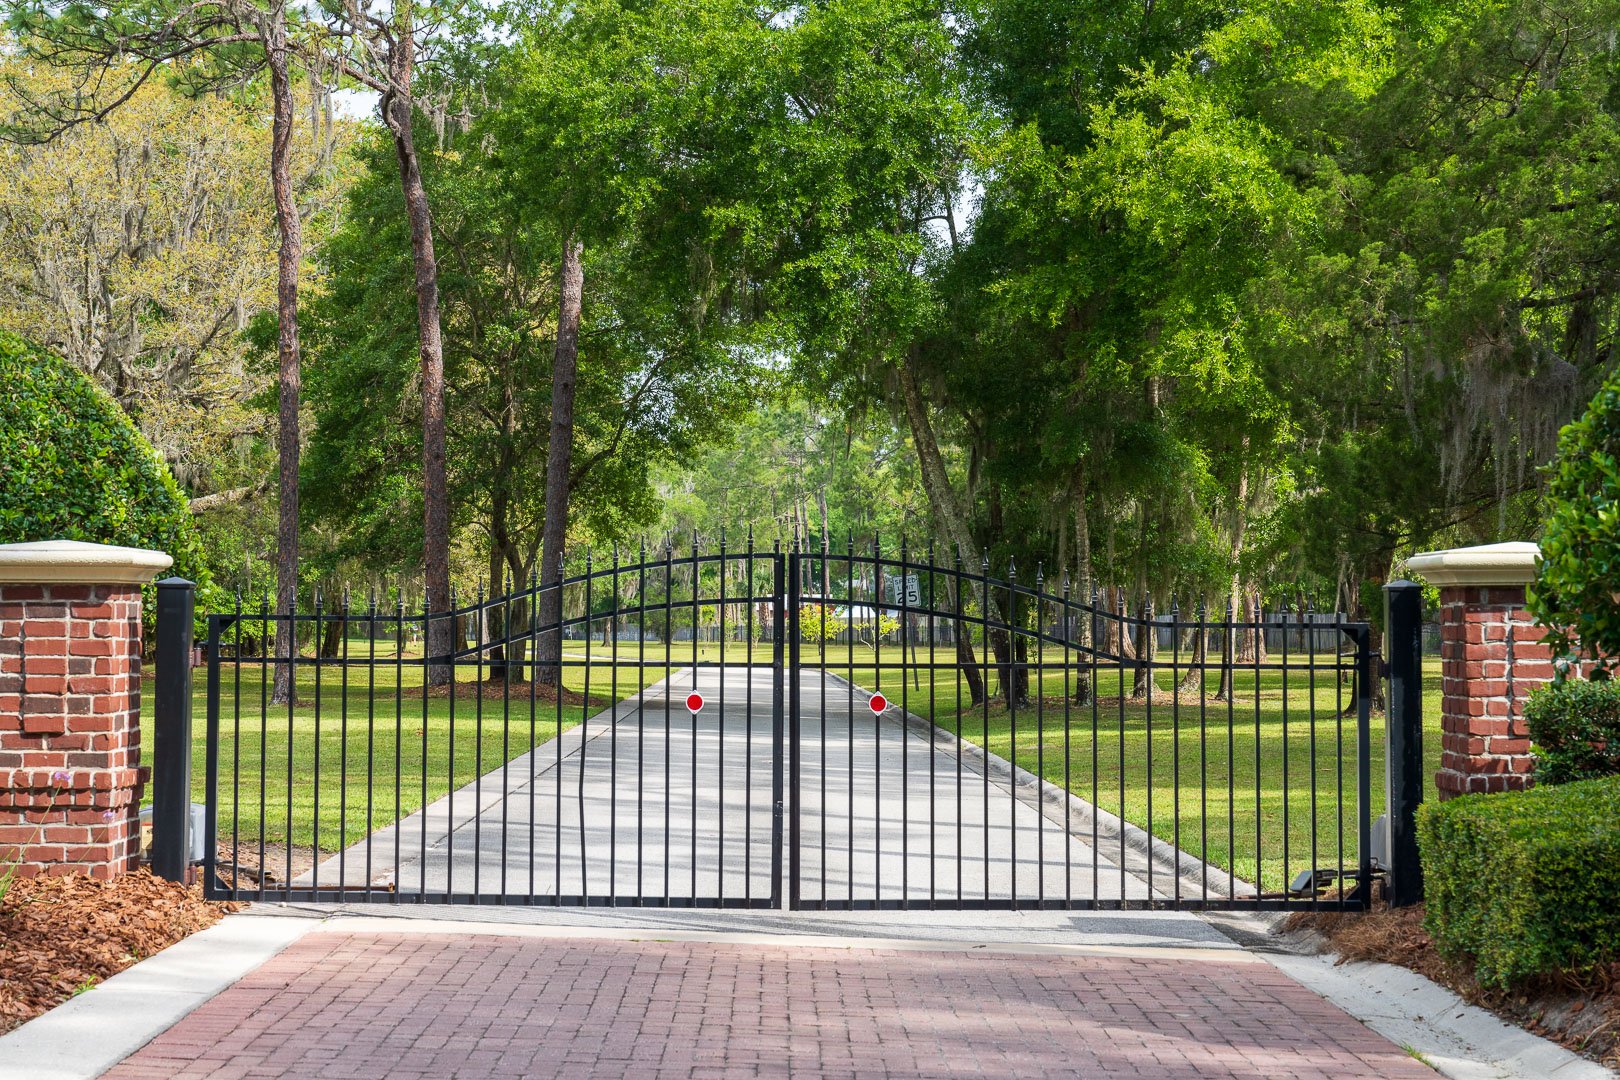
(1403, 753)
(171, 743)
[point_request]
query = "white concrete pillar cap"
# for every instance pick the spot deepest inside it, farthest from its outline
(73, 562)
(1512, 563)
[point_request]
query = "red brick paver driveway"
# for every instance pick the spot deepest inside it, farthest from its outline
(358, 1006)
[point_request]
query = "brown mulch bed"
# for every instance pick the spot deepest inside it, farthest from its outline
(1581, 1014)
(60, 936)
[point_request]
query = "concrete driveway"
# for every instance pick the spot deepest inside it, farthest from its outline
(646, 800)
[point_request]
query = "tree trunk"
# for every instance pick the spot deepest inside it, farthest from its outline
(396, 111)
(1240, 523)
(1146, 645)
(288, 258)
(336, 628)
(1081, 591)
(1193, 680)
(559, 459)
(952, 520)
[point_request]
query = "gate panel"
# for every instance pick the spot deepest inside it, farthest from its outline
(962, 741)
(874, 732)
(461, 777)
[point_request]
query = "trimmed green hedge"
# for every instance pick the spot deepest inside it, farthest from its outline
(1525, 883)
(73, 466)
(1575, 730)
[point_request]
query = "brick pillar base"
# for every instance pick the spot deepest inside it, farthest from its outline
(1491, 657)
(70, 706)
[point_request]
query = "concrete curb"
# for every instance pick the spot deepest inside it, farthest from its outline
(89, 1034)
(1456, 1039)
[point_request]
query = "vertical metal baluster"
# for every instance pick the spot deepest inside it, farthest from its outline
(905, 738)
(290, 616)
(791, 634)
(849, 708)
(958, 627)
(694, 773)
(399, 740)
(1040, 741)
(824, 575)
(456, 643)
(1096, 750)
(984, 730)
(315, 873)
(1175, 735)
(1338, 749)
(1310, 653)
(557, 734)
(720, 732)
(613, 732)
(1203, 745)
(1287, 791)
(1145, 620)
(531, 612)
(933, 730)
(426, 634)
(343, 746)
(1068, 720)
(266, 676)
(1257, 639)
(585, 735)
(877, 721)
(1009, 691)
(371, 728)
(784, 628)
(479, 613)
(669, 690)
(1229, 676)
(1123, 620)
(506, 724)
(1364, 677)
(641, 716)
(748, 727)
(236, 765)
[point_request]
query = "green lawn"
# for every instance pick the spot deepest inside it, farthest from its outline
(432, 743)
(1198, 750)
(1228, 780)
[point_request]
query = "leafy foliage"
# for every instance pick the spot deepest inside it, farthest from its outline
(76, 468)
(1522, 883)
(1575, 730)
(1575, 594)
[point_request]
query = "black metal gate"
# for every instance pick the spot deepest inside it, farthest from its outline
(820, 729)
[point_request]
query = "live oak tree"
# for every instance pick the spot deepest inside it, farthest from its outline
(641, 403)
(620, 126)
(141, 246)
(419, 59)
(111, 50)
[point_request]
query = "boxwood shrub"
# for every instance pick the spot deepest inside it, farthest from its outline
(74, 467)
(1575, 730)
(1524, 883)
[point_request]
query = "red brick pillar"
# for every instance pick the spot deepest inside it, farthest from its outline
(1491, 657)
(70, 706)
